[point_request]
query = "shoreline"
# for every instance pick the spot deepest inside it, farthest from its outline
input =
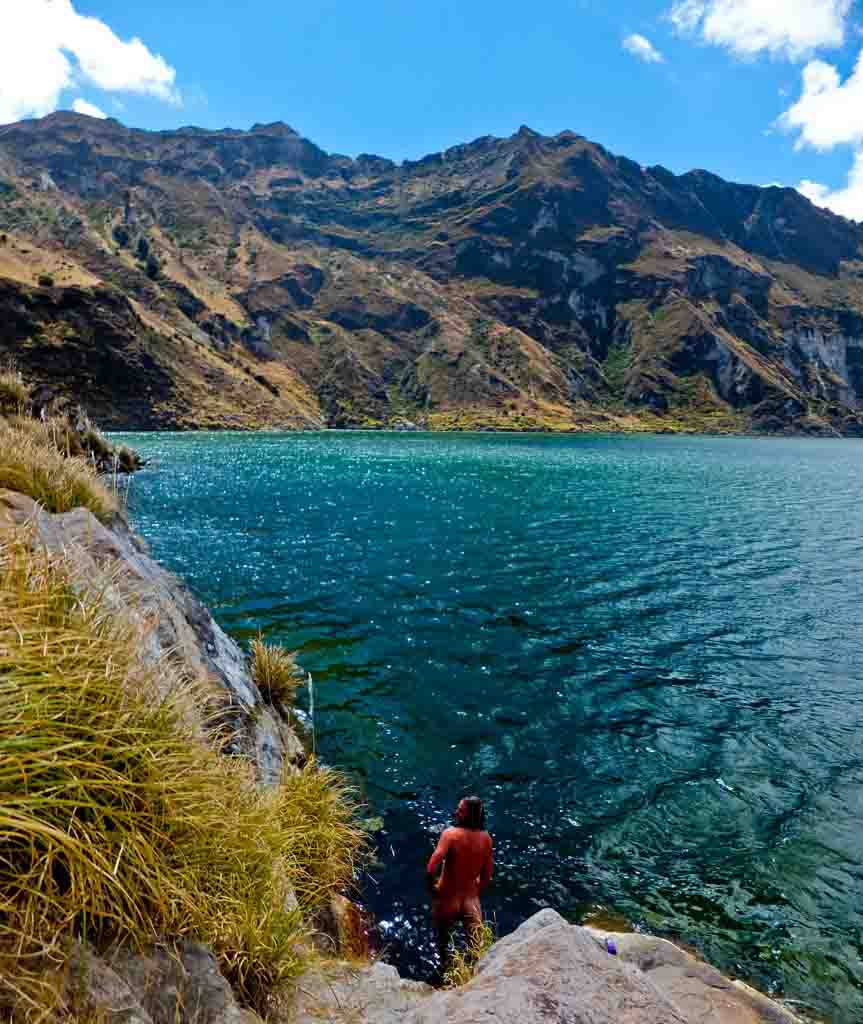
(306, 432)
(100, 558)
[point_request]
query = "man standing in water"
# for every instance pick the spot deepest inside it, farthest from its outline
(465, 855)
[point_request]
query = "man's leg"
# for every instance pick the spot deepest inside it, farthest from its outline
(444, 924)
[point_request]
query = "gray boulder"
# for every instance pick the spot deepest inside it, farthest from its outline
(699, 990)
(181, 984)
(549, 971)
(546, 972)
(92, 989)
(166, 985)
(349, 994)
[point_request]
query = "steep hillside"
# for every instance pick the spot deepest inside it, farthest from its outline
(249, 279)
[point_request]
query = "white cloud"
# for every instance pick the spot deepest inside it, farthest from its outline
(829, 112)
(91, 110)
(789, 28)
(847, 201)
(687, 14)
(47, 46)
(641, 47)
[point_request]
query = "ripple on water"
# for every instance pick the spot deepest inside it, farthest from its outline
(645, 653)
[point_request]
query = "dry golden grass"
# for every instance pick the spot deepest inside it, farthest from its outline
(463, 962)
(24, 261)
(71, 441)
(118, 825)
(276, 672)
(56, 432)
(324, 840)
(34, 464)
(14, 393)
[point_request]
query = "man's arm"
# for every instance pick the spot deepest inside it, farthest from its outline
(487, 868)
(437, 861)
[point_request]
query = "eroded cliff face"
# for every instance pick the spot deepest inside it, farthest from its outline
(250, 279)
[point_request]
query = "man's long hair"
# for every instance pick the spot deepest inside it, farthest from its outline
(475, 818)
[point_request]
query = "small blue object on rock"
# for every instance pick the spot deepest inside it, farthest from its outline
(611, 946)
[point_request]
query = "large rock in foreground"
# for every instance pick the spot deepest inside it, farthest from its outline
(166, 985)
(698, 990)
(547, 972)
(341, 993)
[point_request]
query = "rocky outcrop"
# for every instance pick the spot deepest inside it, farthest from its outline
(350, 994)
(546, 972)
(700, 992)
(549, 971)
(167, 985)
(171, 623)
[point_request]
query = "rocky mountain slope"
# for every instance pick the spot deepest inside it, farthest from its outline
(248, 279)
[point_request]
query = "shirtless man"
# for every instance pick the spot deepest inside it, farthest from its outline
(465, 855)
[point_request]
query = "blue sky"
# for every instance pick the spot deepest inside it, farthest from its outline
(755, 90)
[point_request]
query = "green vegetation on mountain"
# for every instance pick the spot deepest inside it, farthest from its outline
(248, 279)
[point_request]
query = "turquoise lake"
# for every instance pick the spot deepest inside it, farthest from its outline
(644, 653)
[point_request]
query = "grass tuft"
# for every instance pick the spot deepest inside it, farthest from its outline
(14, 393)
(325, 841)
(84, 440)
(463, 962)
(276, 672)
(32, 463)
(119, 825)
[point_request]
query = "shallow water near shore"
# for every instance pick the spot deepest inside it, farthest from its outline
(645, 653)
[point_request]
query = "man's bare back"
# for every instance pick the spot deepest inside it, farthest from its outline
(464, 856)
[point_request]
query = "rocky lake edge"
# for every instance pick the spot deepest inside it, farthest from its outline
(69, 527)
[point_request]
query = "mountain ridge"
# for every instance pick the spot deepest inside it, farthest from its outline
(250, 279)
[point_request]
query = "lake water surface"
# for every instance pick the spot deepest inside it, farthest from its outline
(645, 654)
